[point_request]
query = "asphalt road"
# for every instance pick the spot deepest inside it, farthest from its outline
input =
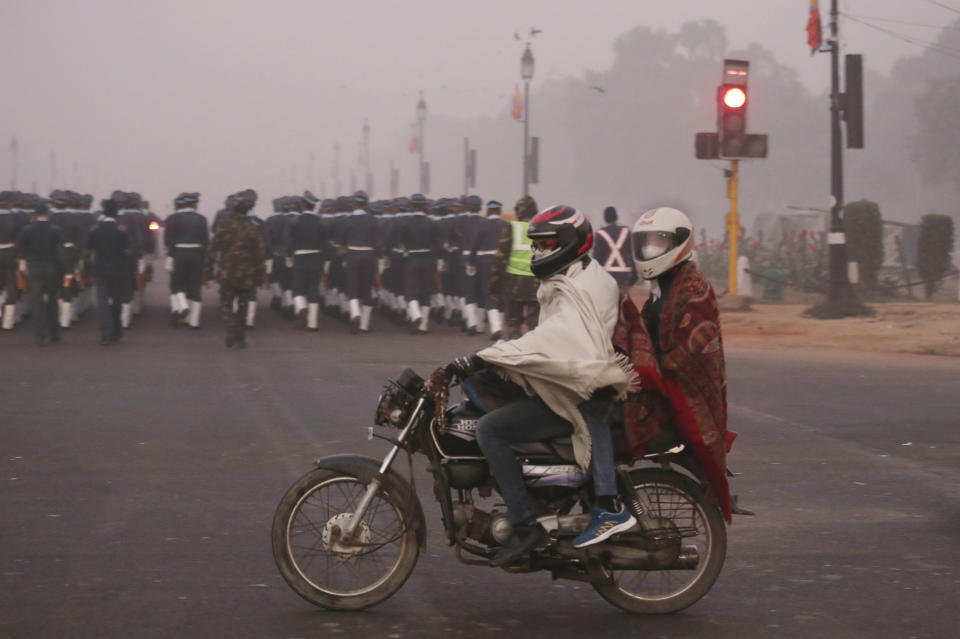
(138, 483)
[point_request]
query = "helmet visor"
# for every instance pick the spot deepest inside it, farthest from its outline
(650, 244)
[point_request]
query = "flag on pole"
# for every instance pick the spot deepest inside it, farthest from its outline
(814, 30)
(414, 143)
(517, 111)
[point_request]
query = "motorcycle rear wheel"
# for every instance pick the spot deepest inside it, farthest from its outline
(678, 498)
(328, 572)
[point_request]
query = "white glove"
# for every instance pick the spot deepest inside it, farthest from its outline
(168, 264)
(141, 266)
(289, 262)
(22, 264)
(381, 265)
(442, 266)
(471, 270)
(269, 265)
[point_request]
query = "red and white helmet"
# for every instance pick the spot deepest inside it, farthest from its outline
(662, 239)
(560, 236)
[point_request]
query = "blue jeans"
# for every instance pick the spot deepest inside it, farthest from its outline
(525, 420)
(531, 420)
(597, 413)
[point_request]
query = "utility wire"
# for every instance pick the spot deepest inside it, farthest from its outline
(943, 6)
(876, 19)
(939, 48)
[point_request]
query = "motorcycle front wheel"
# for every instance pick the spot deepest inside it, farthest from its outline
(698, 546)
(325, 568)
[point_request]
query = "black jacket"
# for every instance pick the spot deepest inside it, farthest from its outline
(110, 244)
(40, 242)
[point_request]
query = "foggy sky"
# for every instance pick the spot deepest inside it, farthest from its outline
(219, 95)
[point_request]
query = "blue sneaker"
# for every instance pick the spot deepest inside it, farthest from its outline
(603, 524)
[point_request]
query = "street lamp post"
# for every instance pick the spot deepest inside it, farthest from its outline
(421, 116)
(366, 158)
(526, 72)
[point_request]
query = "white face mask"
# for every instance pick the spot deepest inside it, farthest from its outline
(539, 254)
(650, 252)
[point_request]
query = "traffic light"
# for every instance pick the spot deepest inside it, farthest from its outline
(853, 101)
(732, 108)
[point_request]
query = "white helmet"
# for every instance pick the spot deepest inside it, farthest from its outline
(662, 238)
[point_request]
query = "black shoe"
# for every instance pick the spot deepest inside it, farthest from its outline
(40, 341)
(275, 304)
(229, 341)
(355, 325)
(495, 336)
(525, 538)
(106, 342)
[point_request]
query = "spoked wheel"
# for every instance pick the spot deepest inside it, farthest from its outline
(694, 540)
(324, 566)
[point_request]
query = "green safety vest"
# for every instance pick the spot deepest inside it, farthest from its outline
(520, 251)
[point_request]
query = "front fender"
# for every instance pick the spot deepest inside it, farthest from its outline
(365, 469)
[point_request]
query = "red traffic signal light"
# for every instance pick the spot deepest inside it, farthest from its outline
(734, 97)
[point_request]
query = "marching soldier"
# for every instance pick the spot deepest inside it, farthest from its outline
(109, 245)
(471, 222)
(186, 237)
(40, 246)
(614, 250)
(359, 238)
(131, 218)
(308, 242)
(252, 305)
(511, 281)
(236, 258)
(11, 226)
(62, 217)
(419, 236)
(482, 254)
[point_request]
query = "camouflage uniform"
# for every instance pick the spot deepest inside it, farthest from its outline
(236, 256)
(517, 293)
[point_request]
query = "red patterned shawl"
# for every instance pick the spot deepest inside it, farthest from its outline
(691, 375)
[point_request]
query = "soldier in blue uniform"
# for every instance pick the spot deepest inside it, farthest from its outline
(186, 237)
(309, 245)
(40, 246)
(359, 239)
(11, 225)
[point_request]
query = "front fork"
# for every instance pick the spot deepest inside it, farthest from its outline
(374, 485)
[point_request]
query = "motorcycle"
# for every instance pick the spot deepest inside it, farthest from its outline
(348, 534)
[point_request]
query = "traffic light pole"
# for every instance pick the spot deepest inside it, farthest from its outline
(841, 301)
(733, 225)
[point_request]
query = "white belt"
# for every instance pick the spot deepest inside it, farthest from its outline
(3, 246)
(359, 248)
(420, 251)
(67, 244)
(486, 253)
(188, 246)
(306, 252)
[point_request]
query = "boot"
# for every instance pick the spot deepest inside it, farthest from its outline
(365, 318)
(66, 312)
(182, 305)
(470, 318)
(525, 539)
(300, 310)
(414, 315)
(9, 316)
(481, 320)
(354, 316)
(496, 323)
(251, 313)
(313, 310)
(193, 319)
(424, 322)
(126, 314)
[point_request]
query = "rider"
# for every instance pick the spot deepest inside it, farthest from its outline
(676, 349)
(565, 360)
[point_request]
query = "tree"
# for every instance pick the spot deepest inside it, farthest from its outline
(933, 250)
(864, 230)
(937, 145)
